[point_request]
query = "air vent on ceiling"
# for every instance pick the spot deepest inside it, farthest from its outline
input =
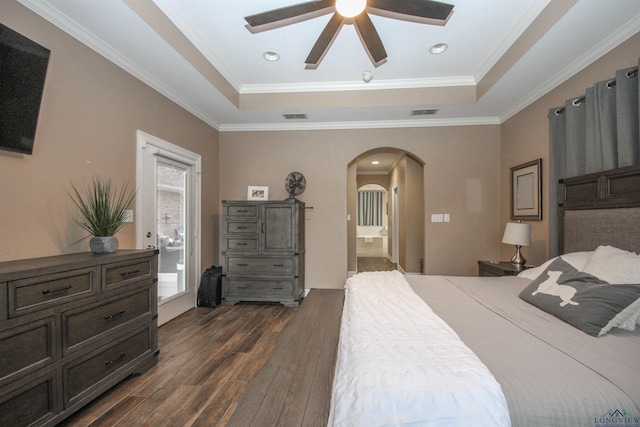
(295, 116)
(426, 112)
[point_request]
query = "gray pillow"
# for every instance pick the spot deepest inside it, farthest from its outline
(582, 300)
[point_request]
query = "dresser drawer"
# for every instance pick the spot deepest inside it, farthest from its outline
(26, 348)
(242, 211)
(81, 325)
(37, 293)
(240, 244)
(84, 375)
(259, 288)
(121, 273)
(30, 404)
(260, 265)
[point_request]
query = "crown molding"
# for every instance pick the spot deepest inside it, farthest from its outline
(78, 32)
(382, 124)
(605, 46)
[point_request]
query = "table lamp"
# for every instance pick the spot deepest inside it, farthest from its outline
(518, 234)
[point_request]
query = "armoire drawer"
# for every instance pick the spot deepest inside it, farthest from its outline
(242, 244)
(242, 211)
(26, 348)
(238, 227)
(238, 287)
(81, 325)
(260, 265)
(121, 273)
(86, 374)
(36, 293)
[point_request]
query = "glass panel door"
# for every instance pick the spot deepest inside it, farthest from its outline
(168, 202)
(171, 197)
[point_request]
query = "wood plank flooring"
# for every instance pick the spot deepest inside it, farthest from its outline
(244, 365)
(367, 263)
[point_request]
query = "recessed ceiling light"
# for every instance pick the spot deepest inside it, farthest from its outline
(437, 49)
(375, 162)
(271, 56)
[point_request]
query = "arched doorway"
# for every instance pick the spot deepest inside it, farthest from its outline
(401, 175)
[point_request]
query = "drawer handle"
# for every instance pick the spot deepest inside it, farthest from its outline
(241, 244)
(242, 228)
(111, 316)
(241, 265)
(243, 287)
(278, 265)
(120, 357)
(126, 273)
(243, 210)
(277, 288)
(51, 291)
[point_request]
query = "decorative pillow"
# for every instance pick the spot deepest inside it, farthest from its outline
(582, 300)
(614, 265)
(576, 259)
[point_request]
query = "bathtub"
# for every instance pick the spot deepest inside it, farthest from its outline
(371, 241)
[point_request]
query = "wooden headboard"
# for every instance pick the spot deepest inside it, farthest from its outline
(601, 208)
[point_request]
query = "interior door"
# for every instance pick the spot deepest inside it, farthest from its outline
(168, 200)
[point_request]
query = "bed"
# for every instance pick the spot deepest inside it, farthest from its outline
(446, 351)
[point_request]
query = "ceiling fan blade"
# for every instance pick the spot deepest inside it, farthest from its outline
(288, 15)
(422, 11)
(324, 42)
(370, 39)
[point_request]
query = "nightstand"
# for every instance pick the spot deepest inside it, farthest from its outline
(498, 268)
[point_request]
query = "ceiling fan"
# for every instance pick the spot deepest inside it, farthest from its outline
(355, 12)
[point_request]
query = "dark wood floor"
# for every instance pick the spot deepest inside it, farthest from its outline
(374, 264)
(245, 365)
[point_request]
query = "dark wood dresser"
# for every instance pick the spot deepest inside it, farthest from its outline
(263, 249)
(71, 327)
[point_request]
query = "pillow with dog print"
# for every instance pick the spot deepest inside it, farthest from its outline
(582, 300)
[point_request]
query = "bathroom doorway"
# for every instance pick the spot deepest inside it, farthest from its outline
(375, 242)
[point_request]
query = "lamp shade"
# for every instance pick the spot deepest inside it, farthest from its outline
(517, 234)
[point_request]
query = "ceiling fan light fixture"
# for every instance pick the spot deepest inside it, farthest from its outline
(350, 8)
(271, 56)
(438, 48)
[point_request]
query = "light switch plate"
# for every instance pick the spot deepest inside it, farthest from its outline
(436, 218)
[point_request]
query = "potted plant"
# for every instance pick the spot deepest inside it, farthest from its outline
(103, 209)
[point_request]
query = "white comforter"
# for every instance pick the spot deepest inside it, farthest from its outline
(399, 364)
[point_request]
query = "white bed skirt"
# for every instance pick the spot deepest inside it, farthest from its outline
(399, 364)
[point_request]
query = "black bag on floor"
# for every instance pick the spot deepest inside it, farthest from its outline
(210, 290)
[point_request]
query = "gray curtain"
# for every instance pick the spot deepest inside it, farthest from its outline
(370, 207)
(595, 132)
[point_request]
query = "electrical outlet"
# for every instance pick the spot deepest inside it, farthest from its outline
(446, 217)
(128, 216)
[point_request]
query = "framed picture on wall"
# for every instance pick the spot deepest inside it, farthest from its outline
(526, 191)
(257, 193)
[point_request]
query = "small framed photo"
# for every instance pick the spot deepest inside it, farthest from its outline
(526, 191)
(257, 193)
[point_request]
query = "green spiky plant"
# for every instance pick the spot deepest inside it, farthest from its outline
(102, 206)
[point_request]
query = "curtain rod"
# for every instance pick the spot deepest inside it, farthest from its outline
(631, 73)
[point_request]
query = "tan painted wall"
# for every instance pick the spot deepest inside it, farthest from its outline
(90, 113)
(452, 156)
(525, 137)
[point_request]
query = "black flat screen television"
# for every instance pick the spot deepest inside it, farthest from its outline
(23, 68)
